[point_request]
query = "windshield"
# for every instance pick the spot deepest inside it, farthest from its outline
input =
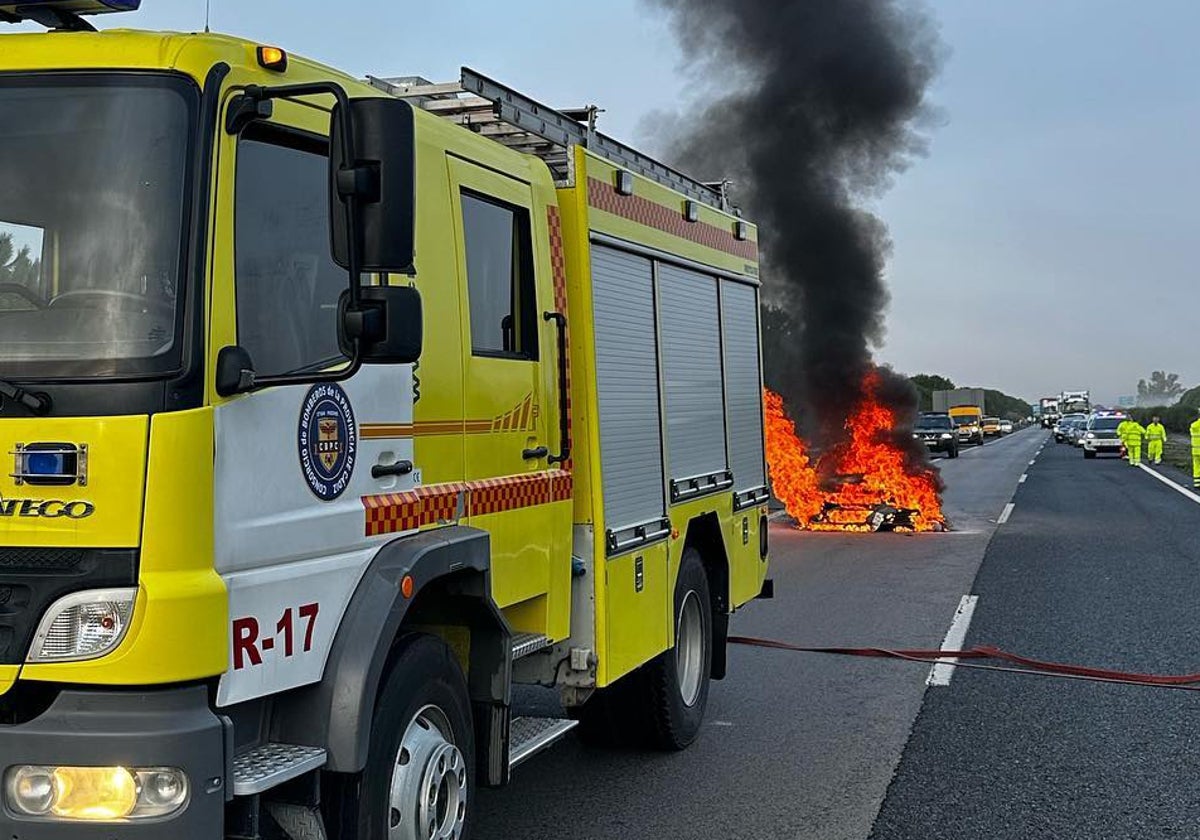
(934, 421)
(92, 196)
(965, 419)
(1106, 423)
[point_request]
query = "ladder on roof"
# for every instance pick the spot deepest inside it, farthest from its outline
(506, 116)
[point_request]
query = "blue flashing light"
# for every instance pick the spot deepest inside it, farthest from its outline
(45, 463)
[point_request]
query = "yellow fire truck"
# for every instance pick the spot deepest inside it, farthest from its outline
(332, 410)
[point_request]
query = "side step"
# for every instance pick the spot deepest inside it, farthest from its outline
(524, 644)
(262, 768)
(530, 735)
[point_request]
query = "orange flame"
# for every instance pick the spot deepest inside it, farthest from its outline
(839, 490)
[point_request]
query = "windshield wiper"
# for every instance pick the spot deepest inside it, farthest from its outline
(37, 402)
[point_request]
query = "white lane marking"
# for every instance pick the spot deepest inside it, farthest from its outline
(941, 673)
(1024, 476)
(1004, 514)
(1182, 490)
(1034, 461)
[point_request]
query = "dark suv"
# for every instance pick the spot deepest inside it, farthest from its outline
(938, 434)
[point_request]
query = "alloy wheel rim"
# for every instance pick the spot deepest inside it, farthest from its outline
(427, 798)
(689, 648)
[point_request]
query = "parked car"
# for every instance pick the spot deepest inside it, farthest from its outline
(1076, 432)
(1101, 436)
(1063, 426)
(938, 434)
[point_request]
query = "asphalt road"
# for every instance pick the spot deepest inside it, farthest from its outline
(1098, 564)
(795, 745)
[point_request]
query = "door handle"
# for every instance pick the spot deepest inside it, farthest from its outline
(385, 470)
(564, 430)
(537, 452)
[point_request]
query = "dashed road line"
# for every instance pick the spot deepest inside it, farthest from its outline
(1024, 476)
(1007, 512)
(941, 673)
(1034, 461)
(1176, 487)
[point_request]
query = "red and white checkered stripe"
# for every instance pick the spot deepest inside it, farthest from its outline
(636, 208)
(389, 513)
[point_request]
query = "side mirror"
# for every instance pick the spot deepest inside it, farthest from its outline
(382, 179)
(235, 371)
(389, 324)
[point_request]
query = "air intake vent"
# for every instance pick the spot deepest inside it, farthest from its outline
(40, 559)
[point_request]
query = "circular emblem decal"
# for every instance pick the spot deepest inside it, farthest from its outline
(328, 440)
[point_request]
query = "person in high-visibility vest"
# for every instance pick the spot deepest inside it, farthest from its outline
(1133, 441)
(1123, 434)
(1195, 430)
(1156, 436)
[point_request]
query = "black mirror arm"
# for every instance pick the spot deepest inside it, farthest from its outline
(338, 375)
(349, 181)
(257, 95)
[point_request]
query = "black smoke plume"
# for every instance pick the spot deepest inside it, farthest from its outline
(815, 105)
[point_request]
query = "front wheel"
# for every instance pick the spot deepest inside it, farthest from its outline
(1088, 453)
(419, 781)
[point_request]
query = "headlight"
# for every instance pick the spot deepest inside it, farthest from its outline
(946, 435)
(83, 625)
(1091, 435)
(94, 794)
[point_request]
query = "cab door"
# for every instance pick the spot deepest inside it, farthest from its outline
(291, 465)
(506, 357)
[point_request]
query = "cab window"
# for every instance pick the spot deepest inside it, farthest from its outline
(500, 281)
(287, 282)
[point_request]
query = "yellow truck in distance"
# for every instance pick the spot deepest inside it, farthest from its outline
(335, 409)
(968, 419)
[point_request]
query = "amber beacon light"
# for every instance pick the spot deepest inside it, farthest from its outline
(272, 58)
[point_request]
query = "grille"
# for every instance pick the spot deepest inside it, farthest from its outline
(31, 579)
(40, 559)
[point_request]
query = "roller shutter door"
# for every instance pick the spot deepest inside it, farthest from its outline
(627, 390)
(691, 345)
(743, 385)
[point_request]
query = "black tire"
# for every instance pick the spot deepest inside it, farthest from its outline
(422, 675)
(647, 708)
(675, 723)
(1087, 453)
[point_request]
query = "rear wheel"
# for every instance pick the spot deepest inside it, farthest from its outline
(678, 679)
(662, 704)
(419, 781)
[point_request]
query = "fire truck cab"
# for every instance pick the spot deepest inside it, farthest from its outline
(334, 409)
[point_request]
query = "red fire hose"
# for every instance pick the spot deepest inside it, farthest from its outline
(1025, 665)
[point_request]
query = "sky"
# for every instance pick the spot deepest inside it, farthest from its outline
(1046, 240)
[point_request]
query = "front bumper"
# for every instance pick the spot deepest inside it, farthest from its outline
(171, 728)
(1102, 445)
